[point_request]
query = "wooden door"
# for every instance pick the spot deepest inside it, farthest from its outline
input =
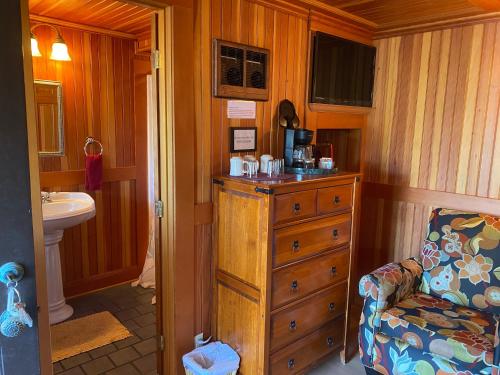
(153, 127)
(20, 218)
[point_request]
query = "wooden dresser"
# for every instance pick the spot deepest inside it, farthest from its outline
(282, 267)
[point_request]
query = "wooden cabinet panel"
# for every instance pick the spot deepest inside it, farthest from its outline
(334, 199)
(300, 241)
(301, 354)
(292, 323)
(238, 322)
(242, 229)
(294, 206)
(299, 280)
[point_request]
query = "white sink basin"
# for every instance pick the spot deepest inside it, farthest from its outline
(66, 210)
(61, 211)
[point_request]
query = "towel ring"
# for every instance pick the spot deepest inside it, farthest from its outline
(89, 141)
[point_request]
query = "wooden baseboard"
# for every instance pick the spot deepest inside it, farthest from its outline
(101, 281)
(432, 198)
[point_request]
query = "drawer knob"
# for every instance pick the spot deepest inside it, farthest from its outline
(296, 207)
(334, 270)
(335, 233)
(329, 342)
(295, 245)
(331, 307)
(292, 326)
(336, 200)
(294, 286)
(291, 363)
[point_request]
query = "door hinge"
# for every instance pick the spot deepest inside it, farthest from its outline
(161, 343)
(218, 182)
(155, 59)
(159, 208)
(265, 191)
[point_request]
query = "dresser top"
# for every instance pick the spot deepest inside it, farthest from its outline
(293, 181)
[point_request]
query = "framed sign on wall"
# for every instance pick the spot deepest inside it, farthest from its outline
(243, 139)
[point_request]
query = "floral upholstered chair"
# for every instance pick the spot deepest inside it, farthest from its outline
(440, 313)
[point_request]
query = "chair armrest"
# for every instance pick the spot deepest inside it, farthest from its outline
(391, 283)
(382, 289)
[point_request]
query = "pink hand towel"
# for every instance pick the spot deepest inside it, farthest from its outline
(93, 172)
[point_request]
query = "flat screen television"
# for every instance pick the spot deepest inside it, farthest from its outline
(342, 71)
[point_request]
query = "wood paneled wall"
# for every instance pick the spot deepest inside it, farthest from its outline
(286, 36)
(284, 28)
(99, 100)
(435, 127)
(285, 33)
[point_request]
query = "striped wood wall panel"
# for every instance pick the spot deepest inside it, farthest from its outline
(285, 33)
(435, 126)
(283, 28)
(98, 99)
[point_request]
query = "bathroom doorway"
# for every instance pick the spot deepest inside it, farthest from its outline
(96, 118)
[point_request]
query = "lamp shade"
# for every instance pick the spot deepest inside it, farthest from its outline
(60, 50)
(35, 52)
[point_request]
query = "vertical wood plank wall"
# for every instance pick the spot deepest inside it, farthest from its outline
(283, 28)
(99, 100)
(285, 33)
(435, 127)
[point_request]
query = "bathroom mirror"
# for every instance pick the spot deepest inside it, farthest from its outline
(49, 118)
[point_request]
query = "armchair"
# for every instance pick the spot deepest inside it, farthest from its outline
(437, 314)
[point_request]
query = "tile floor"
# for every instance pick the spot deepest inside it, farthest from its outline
(334, 366)
(136, 355)
(132, 356)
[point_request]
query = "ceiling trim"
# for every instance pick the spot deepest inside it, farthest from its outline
(78, 26)
(285, 6)
(305, 8)
(318, 5)
(338, 26)
(437, 25)
(161, 4)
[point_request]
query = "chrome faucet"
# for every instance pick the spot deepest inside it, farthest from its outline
(45, 197)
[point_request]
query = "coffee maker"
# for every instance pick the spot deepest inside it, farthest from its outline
(296, 147)
(298, 151)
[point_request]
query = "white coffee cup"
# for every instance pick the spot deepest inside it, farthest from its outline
(326, 163)
(236, 164)
(264, 162)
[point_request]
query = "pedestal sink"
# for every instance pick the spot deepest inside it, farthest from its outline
(61, 211)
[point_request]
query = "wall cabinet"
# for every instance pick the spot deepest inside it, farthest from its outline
(283, 255)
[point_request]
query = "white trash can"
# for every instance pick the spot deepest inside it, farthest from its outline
(213, 359)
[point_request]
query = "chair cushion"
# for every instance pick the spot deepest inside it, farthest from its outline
(461, 259)
(460, 334)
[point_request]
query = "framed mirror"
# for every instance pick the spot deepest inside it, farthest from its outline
(49, 117)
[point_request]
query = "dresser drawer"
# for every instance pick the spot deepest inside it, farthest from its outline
(334, 199)
(301, 354)
(297, 281)
(303, 240)
(294, 322)
(294, 206)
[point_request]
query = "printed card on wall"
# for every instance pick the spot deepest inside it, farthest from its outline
(243, 139)
(241, 109)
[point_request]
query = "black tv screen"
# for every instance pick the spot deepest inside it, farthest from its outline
(343, 71)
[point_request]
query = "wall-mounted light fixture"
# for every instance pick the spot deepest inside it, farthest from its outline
(59, 47)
